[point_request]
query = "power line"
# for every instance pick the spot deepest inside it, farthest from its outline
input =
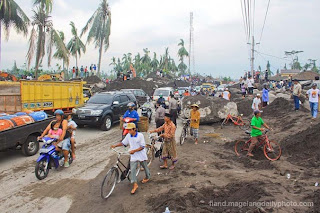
(265, 18)
(244, 22)
(272, 56)
(249, 24)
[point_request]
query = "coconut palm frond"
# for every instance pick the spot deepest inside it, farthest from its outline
(32, 46)
(46, 4)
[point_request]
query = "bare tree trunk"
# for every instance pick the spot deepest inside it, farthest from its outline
(100, 56)
(77, 61)
(39, 52)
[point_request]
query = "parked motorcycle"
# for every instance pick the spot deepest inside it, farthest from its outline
(146, 110)
(49, 158)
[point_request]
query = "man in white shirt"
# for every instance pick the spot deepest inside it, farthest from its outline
(313, 95)
(256, 104)
(137, 154)
(250, 83)
(226, 94)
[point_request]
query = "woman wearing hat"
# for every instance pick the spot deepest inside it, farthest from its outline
(169, 149)
(195, 122)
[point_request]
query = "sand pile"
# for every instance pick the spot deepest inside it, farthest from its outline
(302, 148)
(92, 79)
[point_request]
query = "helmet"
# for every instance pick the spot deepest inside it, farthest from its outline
(58, 112)
(160, 95)
(131, 104)
(314, 85)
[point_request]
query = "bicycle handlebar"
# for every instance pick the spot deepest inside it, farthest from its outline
(120, 153)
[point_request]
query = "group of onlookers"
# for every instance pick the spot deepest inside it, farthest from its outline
(83, 72)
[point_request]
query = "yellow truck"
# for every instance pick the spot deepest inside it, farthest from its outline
(40, 95)
(207, 87)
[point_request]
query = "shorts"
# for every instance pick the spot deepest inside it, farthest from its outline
(195, 132)
(65, 144)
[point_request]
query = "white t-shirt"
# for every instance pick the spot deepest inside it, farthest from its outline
(136, 142)
(255, 103)
(225, 95)
(250, 82)
(313, 95)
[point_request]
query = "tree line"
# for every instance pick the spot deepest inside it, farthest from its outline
(43, 36)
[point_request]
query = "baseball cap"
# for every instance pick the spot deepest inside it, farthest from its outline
(255, 112)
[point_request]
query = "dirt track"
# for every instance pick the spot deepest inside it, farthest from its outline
(205, 174)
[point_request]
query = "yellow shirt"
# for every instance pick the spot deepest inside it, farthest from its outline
(195, 115)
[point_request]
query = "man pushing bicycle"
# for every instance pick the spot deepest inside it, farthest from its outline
(137, 154)
(256, 130)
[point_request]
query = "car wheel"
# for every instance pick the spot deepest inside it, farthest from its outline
(30, 146)
(107, 123)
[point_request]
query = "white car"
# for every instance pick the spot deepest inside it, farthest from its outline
(221, 87)
(165, 92)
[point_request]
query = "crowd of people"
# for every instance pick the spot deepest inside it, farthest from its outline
(84, 72)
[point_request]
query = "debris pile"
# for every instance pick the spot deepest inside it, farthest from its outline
(92, 79)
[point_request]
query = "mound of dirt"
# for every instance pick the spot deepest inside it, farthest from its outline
(136, 83)
(92, 79)
(302, 148)
(315, 198)
(278, 107)
(244, 106)
(178, 83)
(210, 199)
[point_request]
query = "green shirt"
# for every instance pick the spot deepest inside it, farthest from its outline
(257, 122)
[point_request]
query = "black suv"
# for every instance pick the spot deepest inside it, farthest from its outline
(140, 95)
(103, 109)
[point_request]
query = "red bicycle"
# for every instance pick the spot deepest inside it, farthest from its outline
(271, 149)
(238, 121)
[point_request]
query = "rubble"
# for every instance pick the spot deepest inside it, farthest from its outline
(212, 109)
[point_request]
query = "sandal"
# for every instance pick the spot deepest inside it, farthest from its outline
(135, 187)
(171, 167)
(145, 180)
(163, 167)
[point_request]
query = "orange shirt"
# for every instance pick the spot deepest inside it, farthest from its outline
(195, 115)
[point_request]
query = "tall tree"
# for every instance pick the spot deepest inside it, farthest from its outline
(60, 52)
(100, 29)
(182, 52)
(154, 63)
(12, 15)
(75, 45)
(45, 32)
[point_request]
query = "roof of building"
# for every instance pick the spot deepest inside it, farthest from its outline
(290, 71)
(306, 75)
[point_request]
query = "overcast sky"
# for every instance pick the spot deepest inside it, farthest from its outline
(219, 37)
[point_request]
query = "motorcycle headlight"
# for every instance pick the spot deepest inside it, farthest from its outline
(96, 112)
(74, 110)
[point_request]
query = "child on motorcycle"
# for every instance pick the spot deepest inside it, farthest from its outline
(72, 127)
(54, 132)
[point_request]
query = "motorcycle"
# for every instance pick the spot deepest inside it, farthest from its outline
(49, 158)
(124, 130)
(146, 110)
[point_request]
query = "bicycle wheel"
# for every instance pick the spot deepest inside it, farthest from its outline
(183, 136)
(245, 124)
(150, 154)
(272, 150)
(223, 122)
(109, 182)
(241, 148)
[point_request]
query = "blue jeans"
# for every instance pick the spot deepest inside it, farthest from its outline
(314, 109)
(133, 167)
(296, 102)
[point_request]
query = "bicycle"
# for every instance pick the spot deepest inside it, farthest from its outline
(185, 130)
(243, 123)
(112, 177)
(152, 150)
(271, 149)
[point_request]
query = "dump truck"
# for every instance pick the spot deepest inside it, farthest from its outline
(40, 95)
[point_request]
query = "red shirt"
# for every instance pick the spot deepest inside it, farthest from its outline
(73, 70)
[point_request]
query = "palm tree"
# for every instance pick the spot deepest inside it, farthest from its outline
(41, 21)
(60, 52)
(154, 63)
(100, 23)
(75, 45)
(12, 15)
(182, 52)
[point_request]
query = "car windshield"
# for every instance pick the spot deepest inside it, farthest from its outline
(163, 92)
(101, 99)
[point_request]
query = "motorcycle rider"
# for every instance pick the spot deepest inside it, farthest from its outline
(64, 138)
(132, 113)
(162, 101)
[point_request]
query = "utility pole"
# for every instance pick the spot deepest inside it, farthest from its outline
(252, 54)
(191, 45)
